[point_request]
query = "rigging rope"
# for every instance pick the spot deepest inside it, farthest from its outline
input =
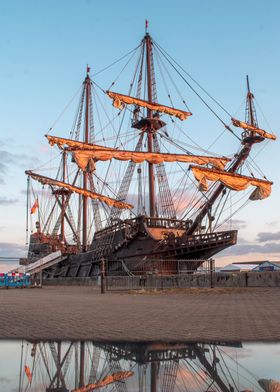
(126, 64)
(64, 110)
(199, 96)
(116, 61)
(199, 85)
(226, 198)
(171, 79)
(234, 213)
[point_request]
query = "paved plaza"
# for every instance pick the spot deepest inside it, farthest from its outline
(194, 314)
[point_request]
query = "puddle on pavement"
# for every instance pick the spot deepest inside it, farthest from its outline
(154, 367)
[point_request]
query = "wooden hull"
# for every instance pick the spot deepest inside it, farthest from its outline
(137, 247)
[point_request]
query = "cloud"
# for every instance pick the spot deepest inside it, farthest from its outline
(7, 141)
(8, 249)
(5, 380)
(242, 249)
(15, 159)
(233, 224)
(186, 377)
(239, 223)
(272, 223)
(241, 240)
(21, 160)
(181, 204)
(268, 236)
(4, 201)
(3, 167)
(186, 202)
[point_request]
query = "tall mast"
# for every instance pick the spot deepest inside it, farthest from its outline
(150, 130)
(250, 107)
(241, 157)
(63, 198)
(85, 173)
(249, 98)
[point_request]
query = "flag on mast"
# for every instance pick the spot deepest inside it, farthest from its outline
(28, 373)
(35, 206)
(146, 24)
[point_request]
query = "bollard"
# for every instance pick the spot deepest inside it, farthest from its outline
(102, 274)
(246, 279)
(41, 278)
(211, 273)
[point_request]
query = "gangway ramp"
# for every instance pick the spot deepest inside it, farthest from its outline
(45, 262)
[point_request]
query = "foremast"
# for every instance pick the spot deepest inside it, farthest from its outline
(249, 138)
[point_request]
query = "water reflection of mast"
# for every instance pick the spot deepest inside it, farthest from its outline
(211, 369)
(82, 364)
(56, 359)
(164, 362)
(59, 378)
(155, 366)
(161, 368)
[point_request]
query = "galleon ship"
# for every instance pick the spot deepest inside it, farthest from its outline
(136, 184)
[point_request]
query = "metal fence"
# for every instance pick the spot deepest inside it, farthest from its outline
(159, 274)
(157, 267)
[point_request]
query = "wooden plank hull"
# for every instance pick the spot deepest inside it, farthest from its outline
(136, 247)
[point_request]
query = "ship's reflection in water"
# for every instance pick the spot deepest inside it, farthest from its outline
(154, 367)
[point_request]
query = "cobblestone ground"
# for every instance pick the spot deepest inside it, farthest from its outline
(83, 313)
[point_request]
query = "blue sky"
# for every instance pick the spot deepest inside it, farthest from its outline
(45, 47)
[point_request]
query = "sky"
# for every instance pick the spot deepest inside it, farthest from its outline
(45, 47)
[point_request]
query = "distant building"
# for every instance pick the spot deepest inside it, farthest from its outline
(238, 267)
(268, 266)
(254, 266)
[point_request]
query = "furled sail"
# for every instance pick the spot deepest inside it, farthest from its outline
(269, 385)
(83, 157)
(119, 100)
(83, 152)
(62, 142)
(112, 378)
(249, 127)
(232, 181)
(75, 189)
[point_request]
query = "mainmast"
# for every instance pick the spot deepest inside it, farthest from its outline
(250, 115)
(251, 110)
(87, 84)
(150, 129)
(148, 124)
(63, 198)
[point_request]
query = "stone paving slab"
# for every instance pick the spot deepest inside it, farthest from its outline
(82, 313)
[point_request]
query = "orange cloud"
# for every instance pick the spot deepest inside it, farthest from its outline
(185, 377)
